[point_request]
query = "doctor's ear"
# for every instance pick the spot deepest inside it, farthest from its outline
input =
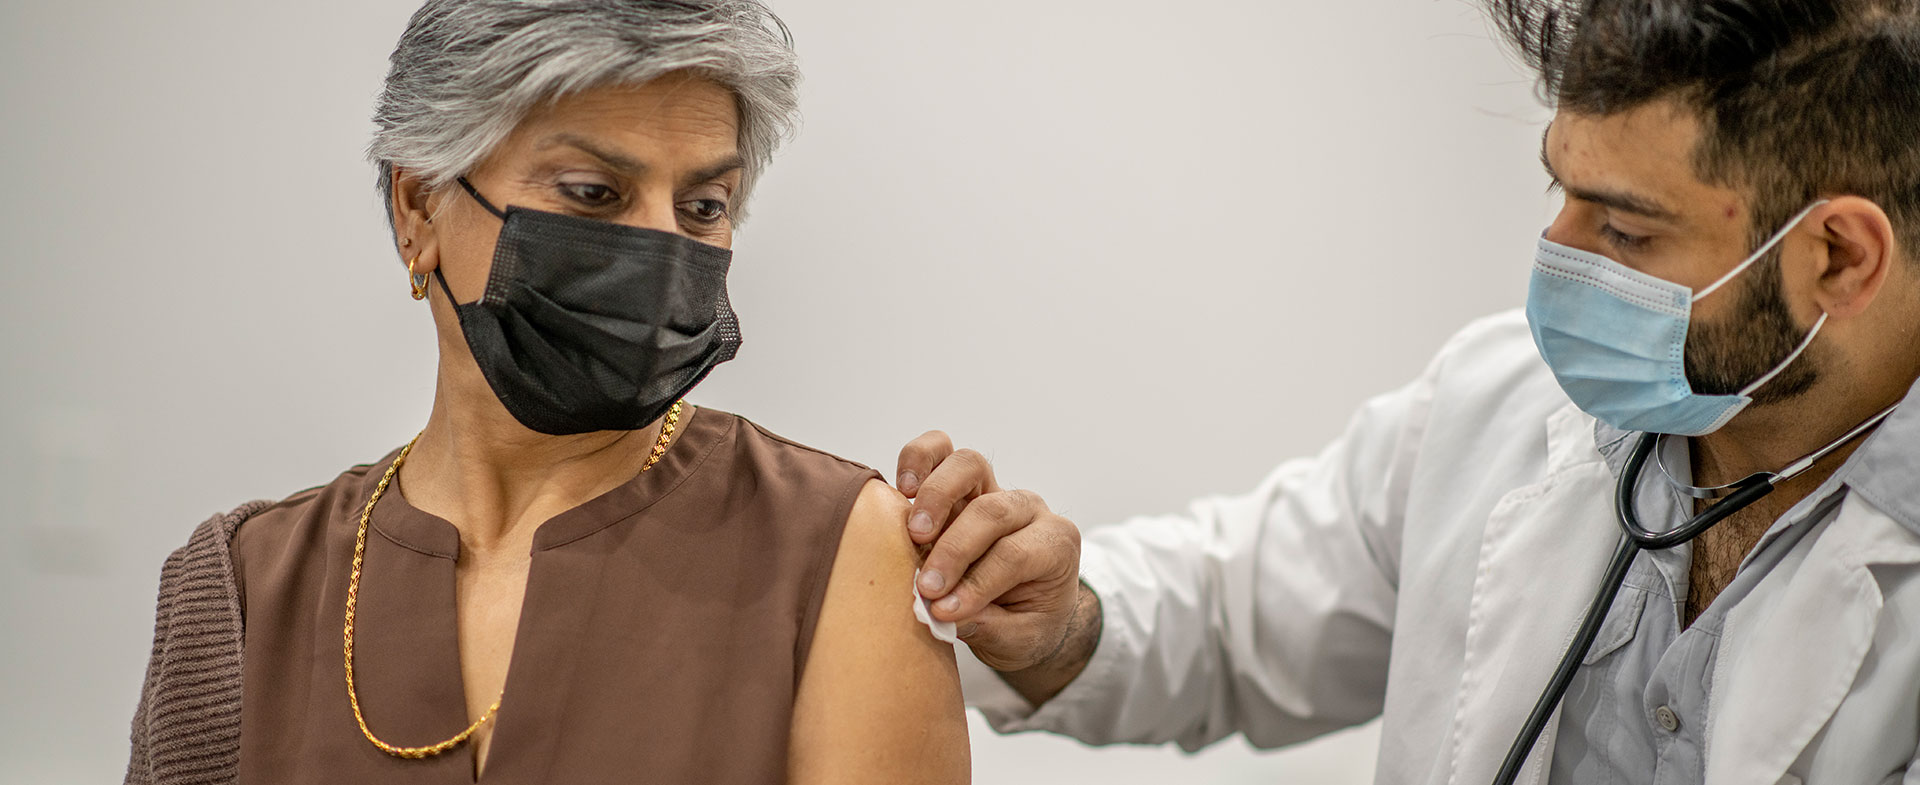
(1858, 249)
(413, 229)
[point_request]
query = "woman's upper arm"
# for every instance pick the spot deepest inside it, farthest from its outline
(880, 698)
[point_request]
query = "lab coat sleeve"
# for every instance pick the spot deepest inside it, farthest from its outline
(1268, 614)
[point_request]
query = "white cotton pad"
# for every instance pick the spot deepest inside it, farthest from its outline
(941, 629)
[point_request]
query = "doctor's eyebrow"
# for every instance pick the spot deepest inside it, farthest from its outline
(1553, 178)
(1623, 201)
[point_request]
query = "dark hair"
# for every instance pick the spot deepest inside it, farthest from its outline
(1797, 100)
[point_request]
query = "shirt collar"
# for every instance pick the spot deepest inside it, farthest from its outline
(1881, 471)
(1614, 444)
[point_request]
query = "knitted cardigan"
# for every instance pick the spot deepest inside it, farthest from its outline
(187, 728)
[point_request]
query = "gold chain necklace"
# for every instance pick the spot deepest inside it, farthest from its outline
(353, 598)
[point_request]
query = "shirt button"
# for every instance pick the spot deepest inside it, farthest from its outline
(1669, 721)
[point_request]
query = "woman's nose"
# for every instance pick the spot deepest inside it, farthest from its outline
(654, 211)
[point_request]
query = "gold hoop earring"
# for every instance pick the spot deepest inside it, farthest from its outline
(419, 280)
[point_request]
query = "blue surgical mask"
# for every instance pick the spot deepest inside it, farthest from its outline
(1615, 339)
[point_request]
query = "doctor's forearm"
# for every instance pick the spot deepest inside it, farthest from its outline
(1040, 683)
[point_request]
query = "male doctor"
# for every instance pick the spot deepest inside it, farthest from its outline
(1737, 267)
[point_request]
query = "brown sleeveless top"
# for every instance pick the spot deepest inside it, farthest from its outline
(665, 626)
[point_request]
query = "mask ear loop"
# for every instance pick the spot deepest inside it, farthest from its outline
(440, 276)
(1742, 267)
(475, 193)
(1804, 342)
(1711, 288)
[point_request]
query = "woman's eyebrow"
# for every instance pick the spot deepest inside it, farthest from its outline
(625, 164)
(629, 165)
(729, 163)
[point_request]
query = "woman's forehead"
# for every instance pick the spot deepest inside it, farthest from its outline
(673, 116)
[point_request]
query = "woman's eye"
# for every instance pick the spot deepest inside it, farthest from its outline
(590, 194)
(705, 210)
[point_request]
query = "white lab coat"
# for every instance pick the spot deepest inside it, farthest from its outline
(1429, 568)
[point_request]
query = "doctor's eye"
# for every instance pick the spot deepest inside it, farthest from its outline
(1622, 240)
(589, 194)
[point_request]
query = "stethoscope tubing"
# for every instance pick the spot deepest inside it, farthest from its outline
(1569, 663)
(1634, 539)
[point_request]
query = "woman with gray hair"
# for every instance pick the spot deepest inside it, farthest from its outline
(570, 574)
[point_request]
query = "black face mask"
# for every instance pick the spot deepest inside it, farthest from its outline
(593, 326)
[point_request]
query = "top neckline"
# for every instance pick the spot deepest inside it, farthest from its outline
(396, 519)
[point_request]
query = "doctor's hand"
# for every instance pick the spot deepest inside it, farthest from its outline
(1002, 566)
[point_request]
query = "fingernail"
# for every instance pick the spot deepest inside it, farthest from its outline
(909, 482)
(947, 604)
(921, 523)
(968, 631)
(932, 580)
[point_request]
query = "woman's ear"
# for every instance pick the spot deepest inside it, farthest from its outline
(413, 228)
(1853, 262)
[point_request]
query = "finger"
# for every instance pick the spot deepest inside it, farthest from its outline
(987, 520)
(932, 523)
(918, 458)
(1036, 555)
(960, 478)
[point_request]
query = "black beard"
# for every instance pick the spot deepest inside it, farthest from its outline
(1723, 358)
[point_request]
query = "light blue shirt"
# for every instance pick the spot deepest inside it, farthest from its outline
(1636, 710)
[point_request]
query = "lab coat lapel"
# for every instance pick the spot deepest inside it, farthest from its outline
(1544, 552)
(1791, 650)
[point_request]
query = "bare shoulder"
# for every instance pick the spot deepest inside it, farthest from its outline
(880, 698)
(877, 526)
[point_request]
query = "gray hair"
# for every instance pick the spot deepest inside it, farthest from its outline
(466, 72)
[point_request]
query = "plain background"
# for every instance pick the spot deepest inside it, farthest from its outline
(1137, 252)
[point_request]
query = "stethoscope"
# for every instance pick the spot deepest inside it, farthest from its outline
(1733, 497)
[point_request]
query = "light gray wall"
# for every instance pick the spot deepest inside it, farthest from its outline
(1136, 252)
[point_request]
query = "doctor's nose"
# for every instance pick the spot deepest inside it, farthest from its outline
(1572, 227)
